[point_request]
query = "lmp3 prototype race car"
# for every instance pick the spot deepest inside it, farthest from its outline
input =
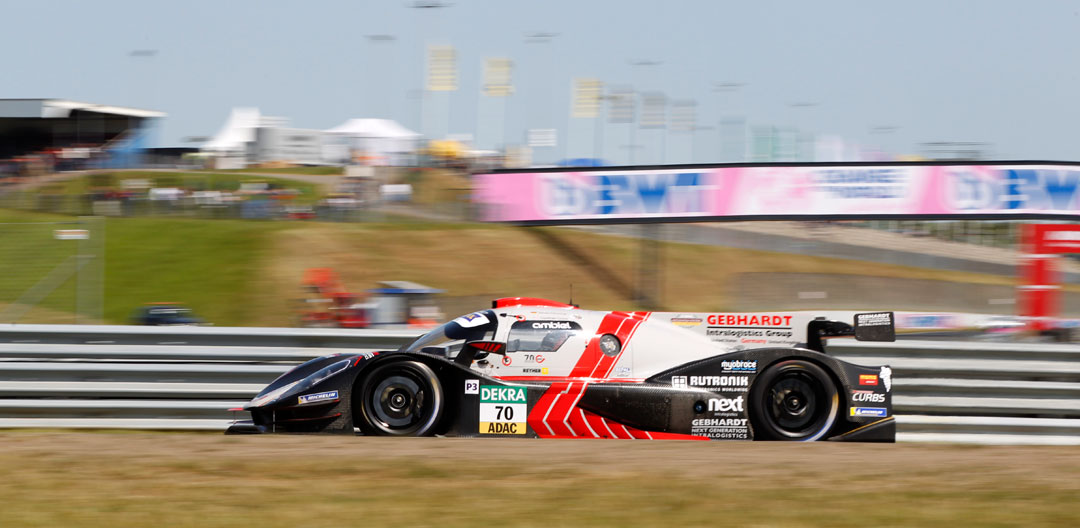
(538, 368)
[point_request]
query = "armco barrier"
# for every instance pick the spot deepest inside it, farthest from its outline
(974, 391)
(187, 378)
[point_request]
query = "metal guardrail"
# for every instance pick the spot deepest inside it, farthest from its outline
(187, 378)
(974, 391)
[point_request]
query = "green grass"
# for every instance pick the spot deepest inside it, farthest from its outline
(197, 181)
(209, 265)
(31, 255)
(310, 171)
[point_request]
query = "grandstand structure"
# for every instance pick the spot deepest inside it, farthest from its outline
(46, 135)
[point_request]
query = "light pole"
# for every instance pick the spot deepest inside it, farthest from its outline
(422, 6)
(883, 130)
(723, 89)
(547, 106)
(646, 65)
(379, 40)
(797, 106)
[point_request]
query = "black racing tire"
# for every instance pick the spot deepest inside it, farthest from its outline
(793, 400)
(399, 398)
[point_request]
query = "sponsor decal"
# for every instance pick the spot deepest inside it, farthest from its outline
(867, 379)
(726, 404)
(686, 320)
(539, 358)
(734, 383)
(886, 378)
(503, 410)
(873, 319)
(749, 320)
(531, 371)
(863, 396)
(738, 365)
(552, 325)
(506, 361)
(748, 334)
(471, 320)
(472, 386)
(534, 358)
(622, 372)
(544, 371)
(318, 397)
(721, 428)
(869, 411)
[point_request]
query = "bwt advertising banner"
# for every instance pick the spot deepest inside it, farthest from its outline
(1049, 190)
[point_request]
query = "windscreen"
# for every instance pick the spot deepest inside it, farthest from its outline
(471, 327)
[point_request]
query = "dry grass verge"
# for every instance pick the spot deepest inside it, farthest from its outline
(145, 479)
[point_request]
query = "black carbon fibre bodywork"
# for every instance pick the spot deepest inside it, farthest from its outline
(718, 398)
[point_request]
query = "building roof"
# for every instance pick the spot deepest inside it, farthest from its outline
(62, 108)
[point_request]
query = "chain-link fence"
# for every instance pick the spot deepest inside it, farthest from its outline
(52, 272)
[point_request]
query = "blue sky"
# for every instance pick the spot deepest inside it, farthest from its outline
(985, 71)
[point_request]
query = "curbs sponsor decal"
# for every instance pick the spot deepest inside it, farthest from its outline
(738, 365)
(503, 410)
(863, 396)
(318, 397)
(869, 411)
(472, 386)
(867, 379)
(886, 378)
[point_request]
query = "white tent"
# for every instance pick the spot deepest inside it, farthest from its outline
(382, 139)
(239, 130)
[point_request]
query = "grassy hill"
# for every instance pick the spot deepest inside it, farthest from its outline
(235, 272)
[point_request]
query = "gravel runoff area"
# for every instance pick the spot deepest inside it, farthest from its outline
(189, 479)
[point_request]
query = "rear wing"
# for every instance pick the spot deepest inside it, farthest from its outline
(808, 329)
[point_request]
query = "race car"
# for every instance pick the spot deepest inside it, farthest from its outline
(539, 368)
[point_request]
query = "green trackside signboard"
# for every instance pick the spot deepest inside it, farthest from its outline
(503, 410)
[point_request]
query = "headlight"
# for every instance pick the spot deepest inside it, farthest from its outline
(326, 372)
(259, 401)
(300, 385)
(610, 345)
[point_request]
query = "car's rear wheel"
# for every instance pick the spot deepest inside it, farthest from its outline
(793, 400)
(400, 398)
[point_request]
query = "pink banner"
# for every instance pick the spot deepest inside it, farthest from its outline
(839, 191)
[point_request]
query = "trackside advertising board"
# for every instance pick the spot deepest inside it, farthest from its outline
(1019, 190)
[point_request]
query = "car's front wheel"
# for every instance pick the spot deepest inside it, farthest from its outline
(400, 398)
(793, 400)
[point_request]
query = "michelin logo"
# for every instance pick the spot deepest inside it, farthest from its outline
(869, 411)
(318, 397)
